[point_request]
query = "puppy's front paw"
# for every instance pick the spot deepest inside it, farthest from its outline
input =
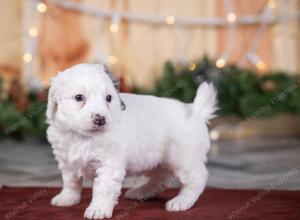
(98, 211)
(64, 199)
(178, 204)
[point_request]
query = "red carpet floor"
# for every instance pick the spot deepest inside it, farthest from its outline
(214, 204)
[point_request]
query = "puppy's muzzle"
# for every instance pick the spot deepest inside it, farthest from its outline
(98, 120)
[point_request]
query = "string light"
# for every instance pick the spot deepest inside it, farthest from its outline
(41, 7)
(170, 20)
(231, 17)
(33, 32)
(256, 60)
(192, 66)
(114, 28)
(260, 65)
(27, 58)
(272, 4)
(214, 135)
(112, 59)
(115, 21)
(220, 63)
(184, 21)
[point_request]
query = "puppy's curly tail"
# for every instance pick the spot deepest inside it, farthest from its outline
(205, 103)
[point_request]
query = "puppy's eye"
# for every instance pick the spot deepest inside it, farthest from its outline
(108, 98)
(79, 98)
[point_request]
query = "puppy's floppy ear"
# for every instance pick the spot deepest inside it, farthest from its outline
(116, 84)
(52, 103)
(115, 81)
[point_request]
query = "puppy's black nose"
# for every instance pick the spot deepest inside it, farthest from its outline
(99, 120)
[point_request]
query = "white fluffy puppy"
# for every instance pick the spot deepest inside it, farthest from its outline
(93, 136)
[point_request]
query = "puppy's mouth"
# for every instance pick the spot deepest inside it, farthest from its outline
(96, 129)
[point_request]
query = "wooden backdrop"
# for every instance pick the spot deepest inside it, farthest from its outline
(67, 38)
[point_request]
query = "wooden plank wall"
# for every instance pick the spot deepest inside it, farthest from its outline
(67, 38)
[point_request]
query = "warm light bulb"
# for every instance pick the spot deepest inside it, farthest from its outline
(112, 59)
(41, 7)
(114, 28)
(214, 135)
(192, 66)
(220, 63)
(33, 32)
(170, 20)
(272, 4)
(231, 17)
(27, 57)
(260, 65)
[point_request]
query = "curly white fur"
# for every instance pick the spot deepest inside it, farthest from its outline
(160, 136)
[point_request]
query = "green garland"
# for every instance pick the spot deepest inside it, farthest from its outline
(241, 92)
(19, 124)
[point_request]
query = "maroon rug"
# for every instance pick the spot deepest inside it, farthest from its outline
(214, 204)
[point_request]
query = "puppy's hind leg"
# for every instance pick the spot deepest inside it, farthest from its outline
(193, 182)
(159, 179)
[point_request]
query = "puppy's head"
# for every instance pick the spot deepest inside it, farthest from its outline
(84, 99)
